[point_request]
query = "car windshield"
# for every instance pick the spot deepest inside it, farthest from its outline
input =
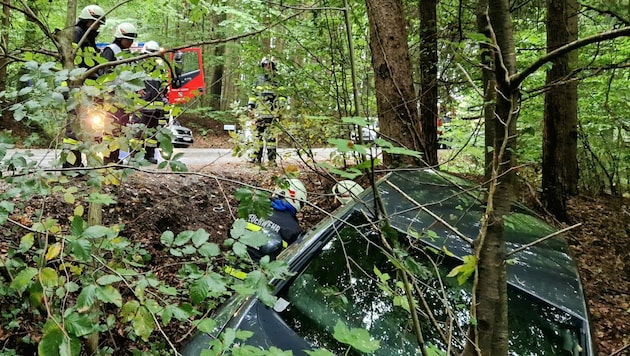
(354, 282)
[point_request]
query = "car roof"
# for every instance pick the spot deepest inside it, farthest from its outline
(439, 208)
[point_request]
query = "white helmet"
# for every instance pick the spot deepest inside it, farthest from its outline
(151, 47)
(271, 60)
(293, 191)
(92, 12)
(126, 30)
(346, 190)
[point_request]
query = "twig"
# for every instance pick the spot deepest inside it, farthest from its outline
(525, 247)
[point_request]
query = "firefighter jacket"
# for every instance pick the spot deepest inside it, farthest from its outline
(155, 85)
(267, 99)
(282, 228)
(88, 46)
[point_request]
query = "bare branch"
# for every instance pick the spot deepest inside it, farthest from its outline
(545, 238)
(518, 78)
(608, 12)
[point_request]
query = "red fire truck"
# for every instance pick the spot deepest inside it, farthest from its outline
(186, 78)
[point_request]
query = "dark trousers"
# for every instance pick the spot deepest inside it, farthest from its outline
(151, 119)
(120, 119)
(264, 137)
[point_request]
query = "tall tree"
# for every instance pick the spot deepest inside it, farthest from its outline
(395, 97)
(560, 131)
(429, 78)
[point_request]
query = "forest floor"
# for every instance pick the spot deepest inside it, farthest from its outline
(149, 204)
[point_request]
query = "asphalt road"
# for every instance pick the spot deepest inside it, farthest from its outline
(192, 157)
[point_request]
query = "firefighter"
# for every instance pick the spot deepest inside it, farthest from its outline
(90, 20)
(152, 116)
(282, 226)
(85, 32)
(124, 35)
(264, 106)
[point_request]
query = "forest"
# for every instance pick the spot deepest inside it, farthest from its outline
(528, 97)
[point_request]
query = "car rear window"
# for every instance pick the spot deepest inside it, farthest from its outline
(352, 280)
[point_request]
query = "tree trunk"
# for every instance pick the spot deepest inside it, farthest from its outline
(488, 55)
(489, 335)
(395, 97)
(5, 115)
(216, 79)
(429, 79)
(559, 163)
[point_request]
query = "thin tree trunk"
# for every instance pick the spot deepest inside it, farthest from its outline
(559, 164)
(395, 97)
(489, 335)
(429, 78)
(5, 115)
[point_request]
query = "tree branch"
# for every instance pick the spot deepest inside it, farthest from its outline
(606, 12)
(518, 78)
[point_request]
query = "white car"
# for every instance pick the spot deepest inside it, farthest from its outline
(182, 136)
(369, 133)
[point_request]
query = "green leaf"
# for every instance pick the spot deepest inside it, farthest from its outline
(6, 208)
(464, 270)
(70, 347)
(172, 291)
(357, 338)
(254, 238)
(143, 323)
(182, 312)
(343, 145)
(96, 231)
(77, 225)
(199, 290)
(209, 250)
(253, 202)
(86, 298)
(240, 249)
(216, 283)
(48, 277)
(68, 198)
(109, 294)
(189, 249)
(80, 325)
(81, 249)
(51, 341)
(129, 310)
(479, 37)
(108, 279)
(183, 238)
(167, 238)
(100, 198)
(26, 242)
(402, 151)
(200, 237)
(22, 280)
(206, 325)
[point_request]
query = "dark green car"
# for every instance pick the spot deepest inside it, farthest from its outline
(346, 276)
